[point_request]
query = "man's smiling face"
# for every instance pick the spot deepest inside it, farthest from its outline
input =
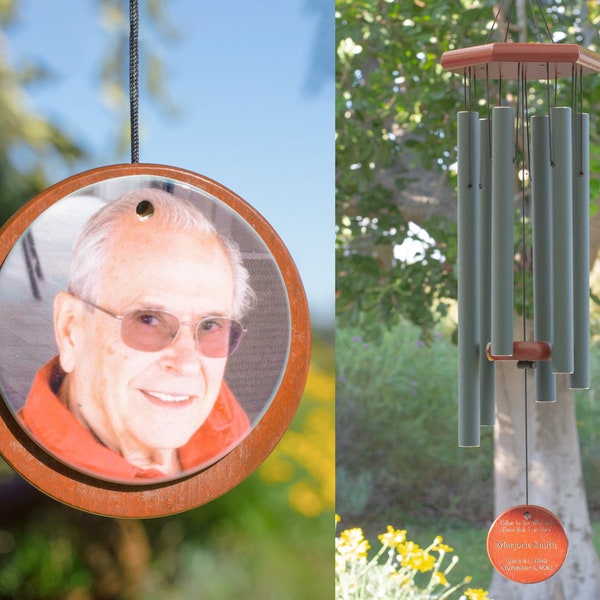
(136, 401)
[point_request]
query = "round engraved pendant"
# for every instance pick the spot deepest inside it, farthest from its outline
(527, 544)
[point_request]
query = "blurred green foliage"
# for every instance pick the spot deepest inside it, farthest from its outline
(393, 102)
(397, 419)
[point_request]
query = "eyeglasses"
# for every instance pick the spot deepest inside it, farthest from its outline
(151, 330)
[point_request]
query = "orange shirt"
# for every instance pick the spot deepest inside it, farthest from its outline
(55, 428)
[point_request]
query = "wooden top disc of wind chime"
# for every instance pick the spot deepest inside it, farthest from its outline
(508, 60)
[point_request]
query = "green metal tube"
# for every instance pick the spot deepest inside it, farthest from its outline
(562, 240)
(487, 368)
(545, 380)
(580, 378)
(503, 123)
(468, 322)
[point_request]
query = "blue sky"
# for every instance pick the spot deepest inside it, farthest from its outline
(253, 85)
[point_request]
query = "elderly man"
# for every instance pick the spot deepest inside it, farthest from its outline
(143, 336)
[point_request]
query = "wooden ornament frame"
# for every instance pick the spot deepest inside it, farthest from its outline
(117, 499)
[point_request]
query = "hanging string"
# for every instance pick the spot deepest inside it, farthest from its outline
(519, 106)
(543, 19)
(549, 115)
(526, 166)
(538, 29)
(526, 445)
(577, 107)
(489, 109)
(509, 21)
(535, 23)
(496, 17)
(134, 86)
(581, 89)
(471, 149)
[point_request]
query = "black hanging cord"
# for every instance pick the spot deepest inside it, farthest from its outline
(509, 21)
(549, 115)
(548, 32)
(510, 17)
(526, 166)
(134, 84)
(489, 109)
(580, 172)
(489, 33)
(535, 23)
(526, 442)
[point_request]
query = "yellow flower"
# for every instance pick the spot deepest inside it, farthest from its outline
(440, 578)
(418, 559)
(437, 545)
(442, 548)
(393, 537)
(351, 545)
(408, 548)
(478, 594)
(423, 562)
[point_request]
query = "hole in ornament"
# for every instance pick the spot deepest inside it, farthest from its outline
(527, 515)
(144, 210)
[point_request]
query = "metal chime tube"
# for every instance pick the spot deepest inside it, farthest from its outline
(580, 379)
(562, 240)
(545, 381)
(468, 322)
(503, 119)
(487, 368)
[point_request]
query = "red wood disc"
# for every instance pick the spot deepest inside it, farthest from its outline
(527, 544)
(528, 351)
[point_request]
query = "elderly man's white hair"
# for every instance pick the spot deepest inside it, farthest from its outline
(90, 251)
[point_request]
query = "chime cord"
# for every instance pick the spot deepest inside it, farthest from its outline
(510, 17)
(134, 86)
(526, 165)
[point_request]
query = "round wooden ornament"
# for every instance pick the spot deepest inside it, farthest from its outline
(162, 367)
(527, 544)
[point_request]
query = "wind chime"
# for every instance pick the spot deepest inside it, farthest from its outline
(549, 154)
